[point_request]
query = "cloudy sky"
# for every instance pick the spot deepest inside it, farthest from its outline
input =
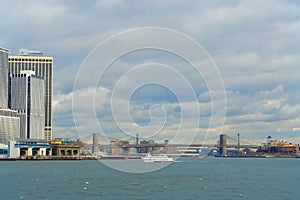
(253, 47)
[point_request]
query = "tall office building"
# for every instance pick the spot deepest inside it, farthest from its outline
(9, 119)
(4, 77)
(27, 97)
(42, 66)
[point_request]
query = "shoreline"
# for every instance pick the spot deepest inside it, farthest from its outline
(129, 158)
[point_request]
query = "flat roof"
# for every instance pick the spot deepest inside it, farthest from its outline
(30, 57)
(31, 140)
(4, 49)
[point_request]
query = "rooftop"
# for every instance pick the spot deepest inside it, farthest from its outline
(3, 49)
(26, 52)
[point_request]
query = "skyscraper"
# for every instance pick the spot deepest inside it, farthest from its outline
(42, 66)
(27, 97)
(9, 119)
(4, 77)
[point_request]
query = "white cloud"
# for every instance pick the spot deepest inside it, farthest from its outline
(254, 43)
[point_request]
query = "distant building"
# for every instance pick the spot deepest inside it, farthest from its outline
(27, 97)
(9, 119)
(144, 142)
(42, 66)
(95, 143)
(64, 148)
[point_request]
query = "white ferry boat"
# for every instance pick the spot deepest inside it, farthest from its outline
(194, 151)
(157, 158)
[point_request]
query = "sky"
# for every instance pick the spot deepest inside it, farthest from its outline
(246, 78)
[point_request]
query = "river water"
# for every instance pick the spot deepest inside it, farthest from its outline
(190, 178)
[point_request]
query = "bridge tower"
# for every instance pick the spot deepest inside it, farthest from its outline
(95, 143)
(136, 143)
(223, 149)
(239, 145)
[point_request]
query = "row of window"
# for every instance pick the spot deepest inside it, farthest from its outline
(29, 60)
(41, 69)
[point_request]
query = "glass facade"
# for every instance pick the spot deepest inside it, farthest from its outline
(27, 97)
(42, 66)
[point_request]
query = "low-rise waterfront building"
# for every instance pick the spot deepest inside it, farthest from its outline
(23, 148)
(3, 151)
(64, 148)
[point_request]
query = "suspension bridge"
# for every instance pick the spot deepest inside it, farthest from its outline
(236, 141)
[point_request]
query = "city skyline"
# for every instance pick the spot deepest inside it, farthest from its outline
(254, 44)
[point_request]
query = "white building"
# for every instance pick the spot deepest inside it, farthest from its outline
(9, 119)
(9, 125)
(27, 148)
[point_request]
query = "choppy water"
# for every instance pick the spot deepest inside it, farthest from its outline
(209, 178)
